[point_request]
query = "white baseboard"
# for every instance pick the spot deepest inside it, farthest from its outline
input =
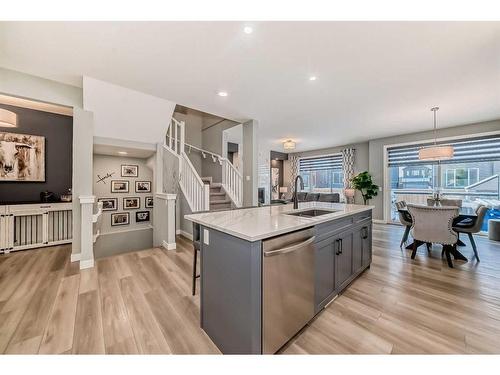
(185, 234)
(76, 257)
(169, 246)
(378, 221)
(89, 263)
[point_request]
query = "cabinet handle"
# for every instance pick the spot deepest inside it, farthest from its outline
(364, 234)
(341, 246)
(337, 247)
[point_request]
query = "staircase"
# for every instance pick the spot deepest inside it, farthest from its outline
(219, 200)
(201, 193)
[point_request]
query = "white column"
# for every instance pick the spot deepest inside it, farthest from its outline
(87, 235)
(164, 217)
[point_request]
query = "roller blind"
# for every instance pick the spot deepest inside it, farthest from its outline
(321, 163)
(468, 150)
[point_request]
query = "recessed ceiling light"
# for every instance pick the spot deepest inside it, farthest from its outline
(247, 30)
(123, 152)
(222, 93)
(313, 78)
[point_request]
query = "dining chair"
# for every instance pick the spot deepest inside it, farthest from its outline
(196, 248)
(472, 227)
(405, 219)
(434, 225)
(445, 202)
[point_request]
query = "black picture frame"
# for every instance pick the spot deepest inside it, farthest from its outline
(139, 183)
(127, 184)
(113, 216)
(115, 204)
(150, 200)
(142, 216)
(137, 199)
(132, 166)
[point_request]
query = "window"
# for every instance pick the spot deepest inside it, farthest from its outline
(472, 175)
(322, 174)
(461, 177)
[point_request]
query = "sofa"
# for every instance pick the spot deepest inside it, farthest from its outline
(318, 197)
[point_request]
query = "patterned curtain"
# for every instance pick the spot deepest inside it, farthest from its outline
(294, 171)
(348, 166)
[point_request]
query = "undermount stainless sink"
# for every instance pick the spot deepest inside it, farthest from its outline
(311, 213)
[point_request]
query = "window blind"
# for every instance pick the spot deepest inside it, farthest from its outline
(468, 150)
(321, 163)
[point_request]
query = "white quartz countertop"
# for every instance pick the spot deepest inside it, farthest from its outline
(253, 224)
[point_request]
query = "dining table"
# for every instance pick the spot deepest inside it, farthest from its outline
(464, 213)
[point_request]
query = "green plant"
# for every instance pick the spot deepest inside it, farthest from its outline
(363, 182)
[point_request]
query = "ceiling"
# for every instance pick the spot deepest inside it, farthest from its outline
(374, 79)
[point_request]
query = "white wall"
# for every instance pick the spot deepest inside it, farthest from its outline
(126, 114)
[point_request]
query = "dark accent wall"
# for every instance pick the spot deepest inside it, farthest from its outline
(58, 133)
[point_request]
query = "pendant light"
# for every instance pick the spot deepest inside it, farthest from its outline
(8, 119)
(435, 152)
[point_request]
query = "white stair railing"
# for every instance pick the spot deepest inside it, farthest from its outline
(197, 193)
(232, 182)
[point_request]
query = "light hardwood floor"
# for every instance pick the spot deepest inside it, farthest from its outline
(141, 303)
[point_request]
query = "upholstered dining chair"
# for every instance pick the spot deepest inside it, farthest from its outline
(405, 219)
(445, 202)
(301, 196)
(312, 197)
(473, 227)
(434, 225)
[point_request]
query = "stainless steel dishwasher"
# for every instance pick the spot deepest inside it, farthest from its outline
(288, 287)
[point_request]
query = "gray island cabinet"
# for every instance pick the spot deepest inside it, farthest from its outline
(253, 301)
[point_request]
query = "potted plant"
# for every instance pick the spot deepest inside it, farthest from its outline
(363, 182)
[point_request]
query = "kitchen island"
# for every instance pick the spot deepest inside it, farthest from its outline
(267, 271)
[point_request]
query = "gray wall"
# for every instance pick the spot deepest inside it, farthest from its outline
(108, 164)
(58, 132)
(376, 152)
(212, 141)
(135, 236)
(250, 163)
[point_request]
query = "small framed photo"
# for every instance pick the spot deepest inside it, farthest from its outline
(148, 202)
(131, 203)
(142, 216)
(119, 186)
(130, 170)
(109, 204)
(143, 186)
(122, 218)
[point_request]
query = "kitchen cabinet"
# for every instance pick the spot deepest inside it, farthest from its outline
(339, 259)
(325, 272)
(343, 259)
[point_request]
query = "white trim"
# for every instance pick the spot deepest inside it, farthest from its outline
(76, 257)
(89, 263)
(149, 227)
(169, 246)
(378, 221)
(185, 234)
(166, 196)
(86, 199)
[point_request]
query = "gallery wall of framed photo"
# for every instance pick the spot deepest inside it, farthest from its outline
(40, 152)
(124, 185)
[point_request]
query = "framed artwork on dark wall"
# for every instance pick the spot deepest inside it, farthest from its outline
(148, 202)
(122, 218)
(131, 203)
(22, 157)
(130, 170)
(119, 186)
(142, 216)
(143, 186)
(109, 204)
